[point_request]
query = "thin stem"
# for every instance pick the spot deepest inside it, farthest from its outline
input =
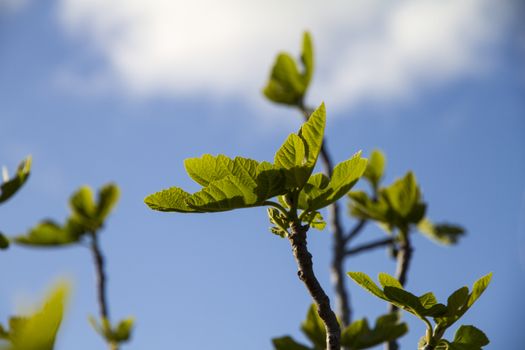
(369, 246)
(403, 257)
(355, 231)
(306, 274)
(101, 282)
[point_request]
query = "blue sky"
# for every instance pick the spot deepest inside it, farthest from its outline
(101, 92)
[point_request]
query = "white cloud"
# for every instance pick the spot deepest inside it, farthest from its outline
(366, 49)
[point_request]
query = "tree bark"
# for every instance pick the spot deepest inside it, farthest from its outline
(306, 274)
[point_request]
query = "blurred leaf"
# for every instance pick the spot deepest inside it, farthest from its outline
(442, 233)
(9, 186)
(83, 204)
(376, 168)
(38, 330)
(4, 242)
(108, 196)
(313, 327)
(358, 335)
(113, 334)
(48, 233)
(286, 84)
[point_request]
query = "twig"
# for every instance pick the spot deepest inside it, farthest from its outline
(403, 257)
(306, 274)
(369, 246)
(101, 282)
(355, 231)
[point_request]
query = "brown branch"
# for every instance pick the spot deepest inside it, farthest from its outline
(101, 276)
(355, 230)
(403, 257)
(306, 274)
(101, 282)
(369, 246)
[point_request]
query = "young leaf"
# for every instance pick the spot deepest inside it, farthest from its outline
(313, 327)
(470, 337)
(291, 158)
(287, 85)
(344, 176)
(389, 281)
(171, 199)
(8, 187)
(38, 330)
(366, 282)
(108, 196)
(312, 133)
(48, 233)
(376, 168)
(441, 233)
(4, 242)
(358, 335)
(478, 288)
(82, 203)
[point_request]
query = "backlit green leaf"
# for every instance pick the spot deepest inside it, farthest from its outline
(442, 233)
(366, 282)
(108, 196)
(389, 281)
(313, 327)
(48, 233)
(358, 335)
(38, 330)
(375, 168)
(312, 133)
(9, 186)
(171, 199)
(222, 195)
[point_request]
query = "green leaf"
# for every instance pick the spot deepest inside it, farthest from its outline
(366, 282)
(208, 169)
(171, 199)
(123, 330)
(376, 168)
(389, 281)
(315, 219)
(313, 327)
(38, 330)
(358, 335)
(404, 198)
(4, 242)
(222, 195)
(441, 233)
(478, 288)
(307, 58)
(312, 133)
(83, 204)
(344, 176)
(280, 221)
(291, 157)
(48, 233)
(108, 196)
(287, 85)
(8, 187)
(470, 337)
(405, 300)
(287, 343)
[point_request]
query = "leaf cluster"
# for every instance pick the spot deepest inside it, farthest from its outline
(87, 216)
(356, 336)
(9, 186)
(37, 330)
(242, 183)
(398, 206)
(287, 83)
(116, 334)
(426, 306)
